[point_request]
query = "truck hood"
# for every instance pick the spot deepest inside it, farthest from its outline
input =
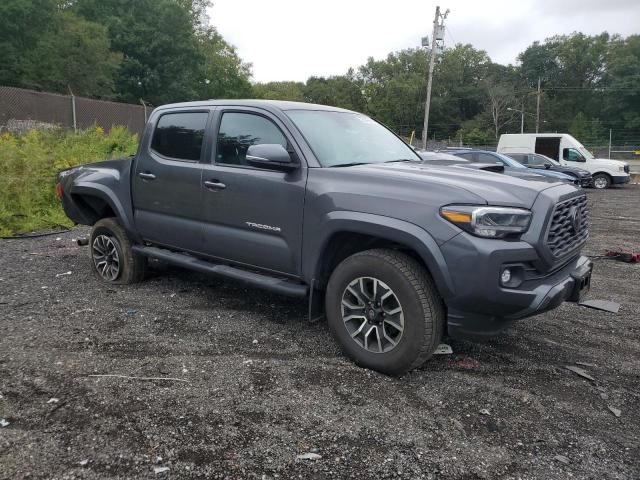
(606, 162)
(484, 187)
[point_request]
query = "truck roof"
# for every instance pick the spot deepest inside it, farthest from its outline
(267, 104)
(533, 134)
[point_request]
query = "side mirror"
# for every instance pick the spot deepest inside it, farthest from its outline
(269, 155)
(547, 166)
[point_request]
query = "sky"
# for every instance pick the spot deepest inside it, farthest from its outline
(295, 39)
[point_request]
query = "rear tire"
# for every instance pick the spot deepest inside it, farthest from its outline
(112, 258)
(383, 308)
(601, 181)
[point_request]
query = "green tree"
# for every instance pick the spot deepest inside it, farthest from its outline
(157, 38)
(21, 25)
(293, 91)
(342, 91)
(224, 74)
(621, 102)
(71, 53)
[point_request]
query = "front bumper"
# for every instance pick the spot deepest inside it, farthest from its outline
(586, 181)
(620, 179)
(482, 306)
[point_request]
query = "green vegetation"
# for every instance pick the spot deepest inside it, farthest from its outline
(165, 50)
(28, 166)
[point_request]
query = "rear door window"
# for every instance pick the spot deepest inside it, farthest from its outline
(179, 135)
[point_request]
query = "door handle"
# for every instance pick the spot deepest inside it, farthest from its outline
(214, 185)
(147, 176)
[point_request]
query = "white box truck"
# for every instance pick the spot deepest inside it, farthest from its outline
(568, 151)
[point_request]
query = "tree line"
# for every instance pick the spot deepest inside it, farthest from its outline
(165, 50)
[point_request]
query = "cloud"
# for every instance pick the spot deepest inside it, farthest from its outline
(293, 39)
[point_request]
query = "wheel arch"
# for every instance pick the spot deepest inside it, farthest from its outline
(91, 202)
(346, 233)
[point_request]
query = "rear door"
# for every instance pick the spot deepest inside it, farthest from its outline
(253, 215)
(166, 186)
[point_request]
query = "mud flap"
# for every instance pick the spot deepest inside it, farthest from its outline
(316, 304)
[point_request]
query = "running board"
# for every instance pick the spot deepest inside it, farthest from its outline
(274, 284)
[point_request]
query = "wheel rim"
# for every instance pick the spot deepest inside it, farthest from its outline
(600, 182)
(372, 315)
(106, 257)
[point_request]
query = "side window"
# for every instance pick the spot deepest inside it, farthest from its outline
(487, 158)
(520, 158)
(572, 155)
(180, 135)
(536, 160)
(238, 131)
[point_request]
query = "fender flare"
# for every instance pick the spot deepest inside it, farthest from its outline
(398, 231)
(106, 194)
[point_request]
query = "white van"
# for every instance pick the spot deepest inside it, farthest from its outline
(568, 151)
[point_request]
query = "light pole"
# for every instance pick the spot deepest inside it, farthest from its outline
(522, 114)
(437, 36)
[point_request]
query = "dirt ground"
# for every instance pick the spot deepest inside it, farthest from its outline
(265, 386)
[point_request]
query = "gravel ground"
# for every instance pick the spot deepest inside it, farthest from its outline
(265, 386)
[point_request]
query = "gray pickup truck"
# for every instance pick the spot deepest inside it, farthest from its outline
(324, 203)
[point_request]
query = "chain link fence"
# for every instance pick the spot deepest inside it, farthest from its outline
(22, 110)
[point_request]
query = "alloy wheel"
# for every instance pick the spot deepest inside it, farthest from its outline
(105, 257)
(372, 314)
(600, 182)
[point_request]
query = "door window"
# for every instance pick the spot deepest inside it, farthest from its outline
(180, 135)
(536, 160)
(520, 158)
(487, 158)
(238, 131)
(572, 155)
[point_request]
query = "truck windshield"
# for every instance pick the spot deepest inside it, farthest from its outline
(585, 153)
(345, 139)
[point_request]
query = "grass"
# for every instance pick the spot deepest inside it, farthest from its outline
(28, 165)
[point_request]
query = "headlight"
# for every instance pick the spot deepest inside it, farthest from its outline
(621, 169)
(488, 222)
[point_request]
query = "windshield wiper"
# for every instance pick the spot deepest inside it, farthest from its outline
(352, 164)
(403, 160)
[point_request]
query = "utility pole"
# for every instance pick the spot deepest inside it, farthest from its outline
(537, 106)
(437, 36)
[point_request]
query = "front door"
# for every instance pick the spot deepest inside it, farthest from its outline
(166, 185)
(252, 214)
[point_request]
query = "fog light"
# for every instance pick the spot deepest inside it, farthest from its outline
(505, 276)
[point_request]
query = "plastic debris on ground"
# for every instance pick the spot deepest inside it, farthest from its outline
(617, 412)
(622, 256)
(580, 372)
(443, 349)
(309, 456)
(605, 305)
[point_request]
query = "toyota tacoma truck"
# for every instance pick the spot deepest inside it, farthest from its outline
(324, 203)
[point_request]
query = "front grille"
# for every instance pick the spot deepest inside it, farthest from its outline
(569, 226)
(626, 168)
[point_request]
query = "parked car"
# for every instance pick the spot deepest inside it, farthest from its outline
(565, 149)
(538, 161)
(324, 203)
(443, 158)
(440, 158)
(510, 165)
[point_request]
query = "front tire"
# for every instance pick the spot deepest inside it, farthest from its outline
(112, 258)
(383, 308)
(601, 181)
